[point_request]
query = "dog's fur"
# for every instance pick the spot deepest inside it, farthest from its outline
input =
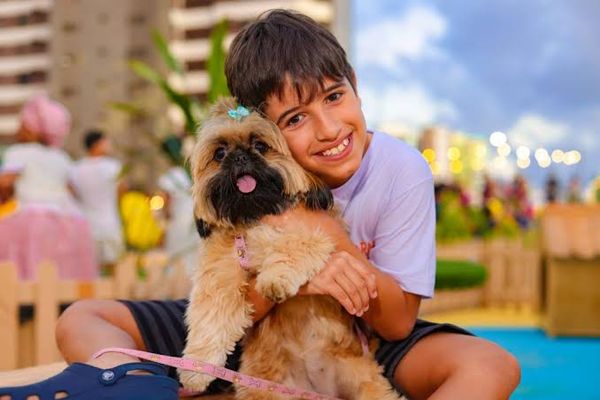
(305, 341)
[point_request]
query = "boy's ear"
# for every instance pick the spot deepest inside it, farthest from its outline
(318, 196)
(204, 230)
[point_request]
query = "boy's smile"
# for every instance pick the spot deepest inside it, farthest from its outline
(327, 133)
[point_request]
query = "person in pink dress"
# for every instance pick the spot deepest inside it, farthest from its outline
(47, 224)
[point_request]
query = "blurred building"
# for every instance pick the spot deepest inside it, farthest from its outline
(454, 157)
(79, 51)
(192, 21)
(25, 37)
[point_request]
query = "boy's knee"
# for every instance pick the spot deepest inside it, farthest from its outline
(497, 367)
(77, 313)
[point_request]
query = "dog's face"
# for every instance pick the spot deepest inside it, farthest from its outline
(243, 170)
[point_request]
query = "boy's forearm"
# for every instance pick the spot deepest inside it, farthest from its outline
(261, 305)
(394, 312)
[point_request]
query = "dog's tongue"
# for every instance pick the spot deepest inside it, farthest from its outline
(246, 184)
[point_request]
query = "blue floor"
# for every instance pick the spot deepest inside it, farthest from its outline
(552, 368)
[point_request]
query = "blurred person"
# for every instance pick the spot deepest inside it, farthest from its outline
(181, 240)
(552, 189)
(522, 208)
(48, 225)
(574, 192)
(97, 181)
(488, 196)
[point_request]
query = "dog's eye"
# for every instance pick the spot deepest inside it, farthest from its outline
(219, 154)
(261, 147)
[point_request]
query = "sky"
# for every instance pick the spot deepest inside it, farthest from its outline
(530, 69)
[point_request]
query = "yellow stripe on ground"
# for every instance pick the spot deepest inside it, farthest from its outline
(500, 317)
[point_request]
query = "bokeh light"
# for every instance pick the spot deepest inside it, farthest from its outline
(497, 138)
(157, 203)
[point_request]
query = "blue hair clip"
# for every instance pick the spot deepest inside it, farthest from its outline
(239, 113)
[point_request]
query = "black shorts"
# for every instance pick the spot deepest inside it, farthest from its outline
(162, 326)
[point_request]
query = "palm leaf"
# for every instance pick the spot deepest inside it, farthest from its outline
(167, 56)
(216, 63)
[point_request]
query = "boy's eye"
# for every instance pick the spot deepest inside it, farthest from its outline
(334, 96)
(261, 147)
(295, 120)
(219, 154)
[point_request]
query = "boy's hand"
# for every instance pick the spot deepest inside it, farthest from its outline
(346, 278)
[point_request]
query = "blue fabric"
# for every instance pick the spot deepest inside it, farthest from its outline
(82, 381)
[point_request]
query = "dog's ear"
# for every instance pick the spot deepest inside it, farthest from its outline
(204, 230)
(319, 196)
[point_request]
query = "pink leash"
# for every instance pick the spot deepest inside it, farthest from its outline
(218, 372)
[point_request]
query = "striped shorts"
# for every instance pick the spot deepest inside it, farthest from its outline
(162, 327)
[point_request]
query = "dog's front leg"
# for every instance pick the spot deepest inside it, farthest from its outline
(288, 259)
(217, 318)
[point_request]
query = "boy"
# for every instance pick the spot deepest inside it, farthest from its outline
(295, 72)
(97, 186)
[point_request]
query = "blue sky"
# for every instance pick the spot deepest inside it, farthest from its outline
(528, 68)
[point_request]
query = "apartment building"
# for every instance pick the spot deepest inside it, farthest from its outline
(25, 37)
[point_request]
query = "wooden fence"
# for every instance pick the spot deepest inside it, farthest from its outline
(514, 275)
(33, 343)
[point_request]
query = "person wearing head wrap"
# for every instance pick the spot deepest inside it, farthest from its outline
(47, 224)
(47, 119)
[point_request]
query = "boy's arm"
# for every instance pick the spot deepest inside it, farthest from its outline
(360, 287)
(393, 312)
(261, 304)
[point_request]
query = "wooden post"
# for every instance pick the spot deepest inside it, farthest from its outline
(155, 263)
(495, 263)
(125, 276)
(46, 314)
(9, 316)
(181, 282)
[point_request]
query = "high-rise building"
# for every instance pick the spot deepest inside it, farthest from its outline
(92, 44)
(25, 36)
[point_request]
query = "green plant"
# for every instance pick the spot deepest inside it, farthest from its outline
(191, 109)
(454, 274)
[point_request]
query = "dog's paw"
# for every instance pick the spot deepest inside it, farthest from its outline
(276, 285)
(194, 381)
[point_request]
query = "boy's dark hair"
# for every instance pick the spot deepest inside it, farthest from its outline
(91, 138)
(283, 44)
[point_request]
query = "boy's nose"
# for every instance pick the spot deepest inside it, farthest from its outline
(329, 128)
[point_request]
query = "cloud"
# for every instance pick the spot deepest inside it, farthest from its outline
(409, 104)
(410, 36)
(534, 130)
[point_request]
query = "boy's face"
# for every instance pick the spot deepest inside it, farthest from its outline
(327, 136)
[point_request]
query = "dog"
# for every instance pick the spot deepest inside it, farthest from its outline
(242, 171)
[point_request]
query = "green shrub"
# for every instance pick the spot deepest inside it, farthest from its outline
(453, 274)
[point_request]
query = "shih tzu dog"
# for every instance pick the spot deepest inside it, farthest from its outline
(242, 171)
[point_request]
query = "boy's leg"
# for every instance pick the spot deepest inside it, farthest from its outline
(91, 325)
(455, 366)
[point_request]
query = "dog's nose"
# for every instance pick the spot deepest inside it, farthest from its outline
(241, 157)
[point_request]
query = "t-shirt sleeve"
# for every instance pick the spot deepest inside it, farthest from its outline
(405, 240)
(115, 168)
(13, 161)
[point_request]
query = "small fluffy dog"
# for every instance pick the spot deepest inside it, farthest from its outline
(243, 171)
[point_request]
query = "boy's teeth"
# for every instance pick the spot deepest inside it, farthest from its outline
(338, 149)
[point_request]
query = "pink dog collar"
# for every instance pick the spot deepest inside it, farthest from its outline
(242, 251)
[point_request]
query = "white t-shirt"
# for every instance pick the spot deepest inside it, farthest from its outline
(390, 208)
(96, 181)
(43, 175)
(181, 228)
(181, 237)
